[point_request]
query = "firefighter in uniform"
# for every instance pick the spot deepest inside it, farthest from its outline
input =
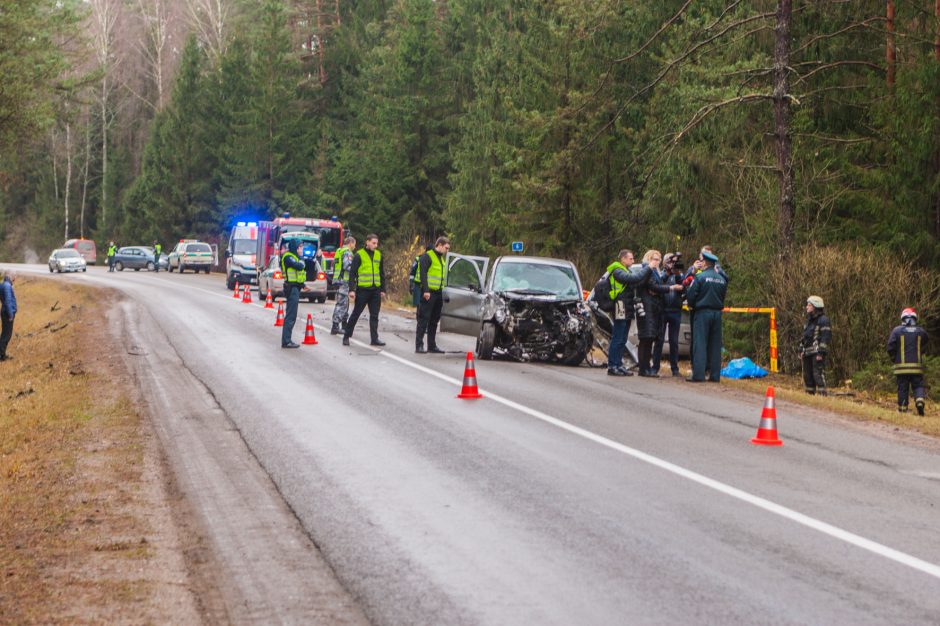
(157, 249)
(342, 262)
(112, 250)
(367, 280)
(815, 346)
(295, 275)
(906, 347)
(706, 297)
(432, 271)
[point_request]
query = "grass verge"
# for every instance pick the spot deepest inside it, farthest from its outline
(71, 533)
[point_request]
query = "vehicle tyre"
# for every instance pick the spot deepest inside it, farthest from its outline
(136, 269)
(322, 299)
(50, 269)
(119, 266)
(182, 268)
(150, 266)
(208, 270)
(486, 341)
(84, 269)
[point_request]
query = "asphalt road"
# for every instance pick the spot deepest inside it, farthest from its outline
(564, 496)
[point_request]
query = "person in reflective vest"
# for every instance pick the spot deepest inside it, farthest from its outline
(157, 249)
(906, 346)
(622, 281)
(112, 250)
(295, 275)
(432, 272)
(367, 288)
(342, 262)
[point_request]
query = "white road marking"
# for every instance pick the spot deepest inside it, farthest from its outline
(762, 503)
(795, 516)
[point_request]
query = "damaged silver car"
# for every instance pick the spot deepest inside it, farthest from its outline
(528, 308)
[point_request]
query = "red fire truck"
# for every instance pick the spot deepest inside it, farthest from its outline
(331, 238)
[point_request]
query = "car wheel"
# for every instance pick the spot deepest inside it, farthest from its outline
(182, 268)
(84, 269)
(50, 269)
(322, 299)
(150, 266)
(208, 270)
(486, 341)
(119, 266)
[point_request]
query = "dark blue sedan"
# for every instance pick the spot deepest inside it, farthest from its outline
(134, 258)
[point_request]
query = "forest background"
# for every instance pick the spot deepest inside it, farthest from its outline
(799, 138)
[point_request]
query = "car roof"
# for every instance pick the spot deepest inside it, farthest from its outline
(63, 250)
(539, 260)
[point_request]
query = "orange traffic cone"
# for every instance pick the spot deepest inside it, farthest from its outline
(309, 338)
(469, 390)
(767, 431)
(237, 293)
(246, 298)
(279, 320)
(269, 302)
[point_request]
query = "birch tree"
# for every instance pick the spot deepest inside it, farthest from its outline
(104, 19)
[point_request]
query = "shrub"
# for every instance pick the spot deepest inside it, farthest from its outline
(864, 291)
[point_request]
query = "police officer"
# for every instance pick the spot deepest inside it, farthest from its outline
(814, 346)
(706, 297)
(432, 272)
(622, 281)
(906, 347)
(342, 262)
(367, 280)
(295, 275)
(112, 250)
(157, 249)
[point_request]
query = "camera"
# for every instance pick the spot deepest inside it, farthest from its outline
(676, 262)
(638, 308)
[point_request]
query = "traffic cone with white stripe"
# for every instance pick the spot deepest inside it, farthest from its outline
(309, 338)
(469, 390)
(767, 431)
(279, 320)
(238, 291)
(246, 298)
(269, 302)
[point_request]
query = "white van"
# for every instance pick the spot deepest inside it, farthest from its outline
(240, 257)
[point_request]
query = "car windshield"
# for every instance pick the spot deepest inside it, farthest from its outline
(66, 254)
(536, 279)
(244, 246)
(198, 247)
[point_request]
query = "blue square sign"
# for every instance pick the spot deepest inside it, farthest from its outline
(517, 246)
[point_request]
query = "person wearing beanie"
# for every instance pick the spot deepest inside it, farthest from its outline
(906, 346)
(814, 347)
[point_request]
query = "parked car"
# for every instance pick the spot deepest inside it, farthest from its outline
(134, 258)
(66, 260)
(190, 254)
(85, 247)
(529, 308)
(272, 278)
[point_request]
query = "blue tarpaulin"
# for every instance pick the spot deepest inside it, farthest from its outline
(743, 368)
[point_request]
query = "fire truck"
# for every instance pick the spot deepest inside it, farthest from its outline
(331, 238)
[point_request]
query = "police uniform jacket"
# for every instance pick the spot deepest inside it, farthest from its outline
(708, 291)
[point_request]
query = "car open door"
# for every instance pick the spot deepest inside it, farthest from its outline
(463, 294)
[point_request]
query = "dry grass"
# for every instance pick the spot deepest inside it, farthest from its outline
(845, 402)
(70, 459)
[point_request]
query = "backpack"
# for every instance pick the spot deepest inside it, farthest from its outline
(601, 294)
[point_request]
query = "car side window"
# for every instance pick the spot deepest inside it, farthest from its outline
(463, 275)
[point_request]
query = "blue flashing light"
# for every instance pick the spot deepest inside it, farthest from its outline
(240, 224)
(252, 224)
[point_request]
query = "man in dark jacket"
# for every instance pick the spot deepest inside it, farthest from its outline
(367, 287)
(7, 313)
(672, 315)
(622, 281)
(817, 334)
(432, 276)
(906, 347)
(707, 298)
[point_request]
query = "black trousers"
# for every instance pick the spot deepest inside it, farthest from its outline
(372, 298)
(814, 374)
(668, 325)
(429, 315)
(908, 382)
(644, 352)
(5, 334)
(292, 295)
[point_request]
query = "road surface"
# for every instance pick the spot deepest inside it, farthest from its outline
(565, 496)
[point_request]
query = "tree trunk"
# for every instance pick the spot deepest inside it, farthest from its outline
(55, 168)
(81, 221)
(320, 39)
(782, 114)
(68, 174)
(102, 224)
(890, 49)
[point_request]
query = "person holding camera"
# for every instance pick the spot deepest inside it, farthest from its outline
(622, 281)
(673, 269)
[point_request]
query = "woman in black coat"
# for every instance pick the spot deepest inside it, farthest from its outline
(650, 294)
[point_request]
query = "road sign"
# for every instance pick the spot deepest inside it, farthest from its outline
(517, 246)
